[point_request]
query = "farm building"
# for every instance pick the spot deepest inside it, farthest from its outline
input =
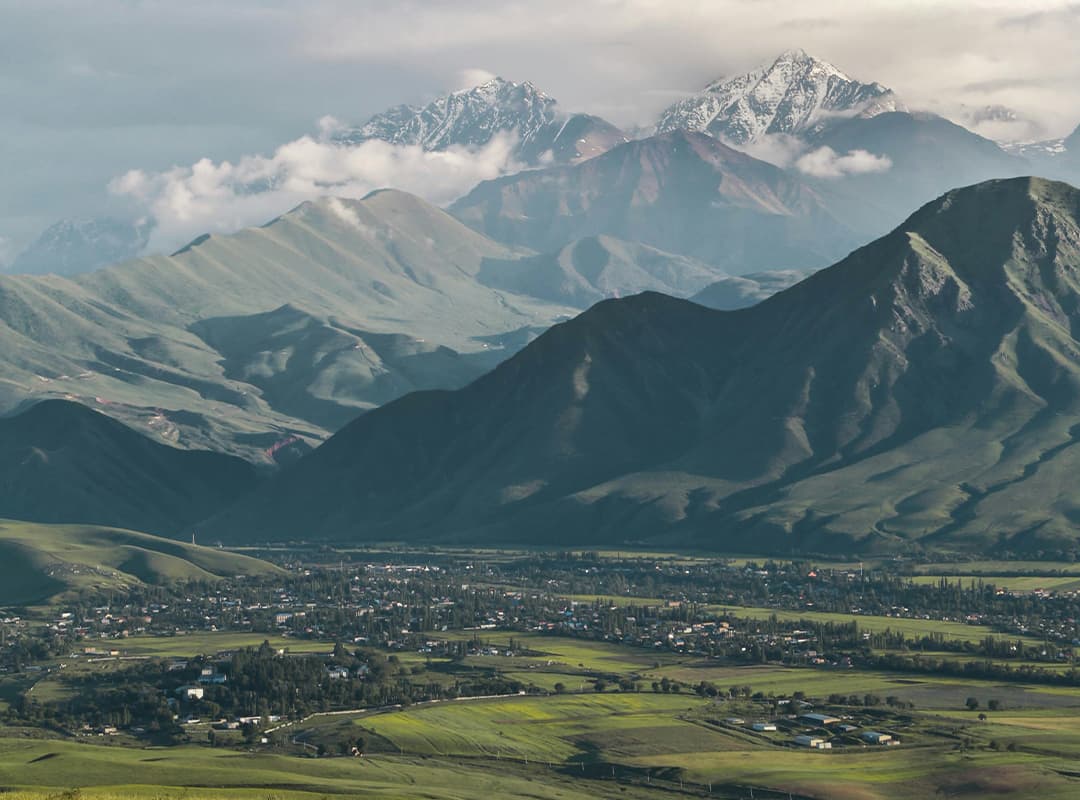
(873, 737)
(819, 719)
(763, 726)
(813, 742)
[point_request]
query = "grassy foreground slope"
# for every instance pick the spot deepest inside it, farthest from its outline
(41, 562)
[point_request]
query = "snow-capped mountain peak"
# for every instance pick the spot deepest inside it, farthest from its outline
(468, 117)
(473, 117)
(791, 95)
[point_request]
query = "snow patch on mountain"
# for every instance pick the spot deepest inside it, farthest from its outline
(792, 96)
(473, 117)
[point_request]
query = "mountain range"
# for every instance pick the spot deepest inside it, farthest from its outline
(921, 392)
(473, 117)
(264, 342)
(863, 152)
(682, 192)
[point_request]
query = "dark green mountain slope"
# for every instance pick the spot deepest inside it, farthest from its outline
(62, 462)
(925, 390)
(682, 192)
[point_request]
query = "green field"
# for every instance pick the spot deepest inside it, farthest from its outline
(987, 568)
(957, 631)
(585, 744)
(556, 651)
(45, 768)
(1015, 583)
(193, 644)
(549, 729)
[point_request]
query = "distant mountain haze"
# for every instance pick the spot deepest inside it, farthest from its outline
(682, 192)
(72, 246)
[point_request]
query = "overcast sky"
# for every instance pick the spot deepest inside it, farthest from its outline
(94, 88)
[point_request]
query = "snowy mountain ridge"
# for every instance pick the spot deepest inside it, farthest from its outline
(473, 117)
(790, 96)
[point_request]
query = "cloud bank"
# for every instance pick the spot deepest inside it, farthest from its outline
(827, 163)
(223, 196)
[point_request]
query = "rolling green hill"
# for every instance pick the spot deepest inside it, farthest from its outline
(242, 343)
(44, 562)
(138, 339)
(923, 392)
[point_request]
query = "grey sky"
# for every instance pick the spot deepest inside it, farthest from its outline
(94, 88)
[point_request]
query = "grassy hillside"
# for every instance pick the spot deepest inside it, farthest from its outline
(62, 462)
(43, 562)
(923, 393)
(339, 304)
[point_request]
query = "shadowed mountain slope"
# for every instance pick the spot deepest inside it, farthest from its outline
(910, 395)
(62, 462)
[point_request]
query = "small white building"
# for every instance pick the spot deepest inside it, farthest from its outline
(763, 726)
(191, 692)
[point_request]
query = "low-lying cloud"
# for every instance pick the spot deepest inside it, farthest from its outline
(827, 163)
(223, 196)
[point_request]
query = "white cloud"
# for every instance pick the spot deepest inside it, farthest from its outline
(221, 197)
(780, 149)
(827, 163)
(468, 78)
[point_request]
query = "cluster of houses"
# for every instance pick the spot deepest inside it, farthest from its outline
(823, 732)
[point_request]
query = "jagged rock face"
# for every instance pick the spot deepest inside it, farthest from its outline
(61, 462)
(473, 117)
(71, 246)
(791, 96)
(470, 117)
